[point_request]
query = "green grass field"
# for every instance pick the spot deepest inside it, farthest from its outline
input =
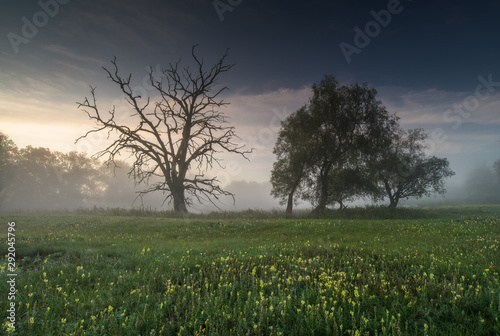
(432, 272)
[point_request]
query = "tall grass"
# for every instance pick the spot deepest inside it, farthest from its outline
(368, 212)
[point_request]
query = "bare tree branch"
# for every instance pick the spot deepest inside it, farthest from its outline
(181, 131)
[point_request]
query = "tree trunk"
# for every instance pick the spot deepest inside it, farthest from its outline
(289, 206)
(393, 197)
(180, 205)
(394, 202)
(323, 198)
(319, 210)
(179, 199)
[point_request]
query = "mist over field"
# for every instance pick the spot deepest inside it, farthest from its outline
(481, 185)
(47, 180)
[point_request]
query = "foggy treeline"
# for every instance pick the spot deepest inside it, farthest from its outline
(38, 178)
(481, 186)
(35, 178)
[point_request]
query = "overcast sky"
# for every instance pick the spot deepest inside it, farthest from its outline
(434, 63)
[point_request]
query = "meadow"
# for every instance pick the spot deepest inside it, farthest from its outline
(430, 272)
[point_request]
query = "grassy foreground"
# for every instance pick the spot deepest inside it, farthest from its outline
(112, 275)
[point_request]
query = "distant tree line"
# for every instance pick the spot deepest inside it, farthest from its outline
(482, 185)
(38, 178)
(343, 145)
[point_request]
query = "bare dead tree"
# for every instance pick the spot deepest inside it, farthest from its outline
(177, 137)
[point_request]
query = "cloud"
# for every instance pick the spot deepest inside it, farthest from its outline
(440, 108)
(100, 25)
(258, 117)
(126, 27)
(465, 143)
(75, 60)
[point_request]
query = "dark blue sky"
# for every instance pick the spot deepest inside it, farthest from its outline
(426, 61)
(442, 45)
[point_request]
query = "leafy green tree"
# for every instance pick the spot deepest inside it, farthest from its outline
(293, 153)
(339, 127)
(8, 157)
(405, 171)
(36, 182)
(45, 179)
(350, 125)
(80, 179)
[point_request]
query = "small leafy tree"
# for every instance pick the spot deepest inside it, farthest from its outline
(405, 171)
(8, 157)
(36, 183)
(293, 157)
(80, 179)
